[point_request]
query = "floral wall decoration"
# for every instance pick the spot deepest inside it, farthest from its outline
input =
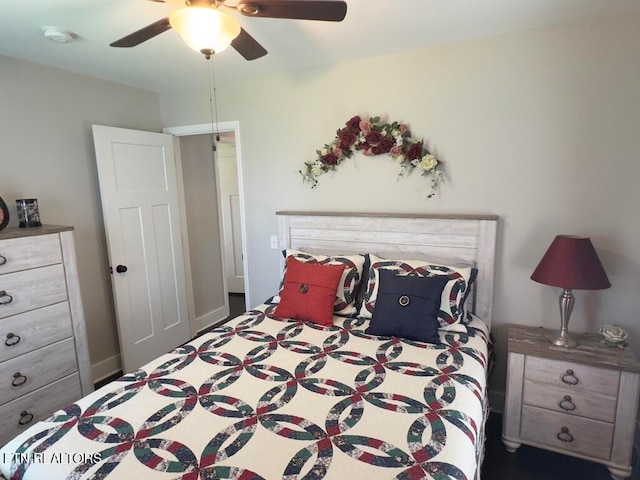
(373, 137)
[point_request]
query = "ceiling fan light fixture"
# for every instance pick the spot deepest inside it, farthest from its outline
(204, 29)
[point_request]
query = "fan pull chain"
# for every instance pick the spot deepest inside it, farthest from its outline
(213, 105)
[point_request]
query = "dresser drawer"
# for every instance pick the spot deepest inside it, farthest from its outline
(582, 435)
(31, 289)
(29, 331)
(29, 252)
(33, 370)
(600, 406)
(571, 376)
(41, 404)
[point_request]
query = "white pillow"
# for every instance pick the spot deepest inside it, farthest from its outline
(453, 295)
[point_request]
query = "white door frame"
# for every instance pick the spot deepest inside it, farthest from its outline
(207, 128)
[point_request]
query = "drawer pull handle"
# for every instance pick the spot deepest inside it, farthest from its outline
(567, 404)
(3, 260)
(570, 378)
(12, 339)
(18, 379)
(25, 417)
(564, 435)
(5, 298)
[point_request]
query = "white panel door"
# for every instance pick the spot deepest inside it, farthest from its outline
(231, 216)
(232, 233)
(138, 187)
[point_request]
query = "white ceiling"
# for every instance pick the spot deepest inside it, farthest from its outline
(165, 63)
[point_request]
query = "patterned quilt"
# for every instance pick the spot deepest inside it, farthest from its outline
(260, 398)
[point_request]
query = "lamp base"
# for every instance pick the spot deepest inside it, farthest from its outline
(562, 339)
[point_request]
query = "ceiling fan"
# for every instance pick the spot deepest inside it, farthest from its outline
(205, 28)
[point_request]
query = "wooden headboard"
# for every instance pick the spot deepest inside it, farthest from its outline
(447, 239)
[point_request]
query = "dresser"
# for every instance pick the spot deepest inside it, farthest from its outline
(44, 358)
(578, 401)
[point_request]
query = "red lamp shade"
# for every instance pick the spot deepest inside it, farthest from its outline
(571, 262)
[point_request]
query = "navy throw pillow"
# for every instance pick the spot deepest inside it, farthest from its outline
(407, 306)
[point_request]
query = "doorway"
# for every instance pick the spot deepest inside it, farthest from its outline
(214, 211)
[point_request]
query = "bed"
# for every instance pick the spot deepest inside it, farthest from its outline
(264, 396)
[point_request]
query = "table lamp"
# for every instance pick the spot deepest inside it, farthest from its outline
(570, 263)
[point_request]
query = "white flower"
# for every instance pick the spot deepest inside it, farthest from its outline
(428, 162)
(396, 133)
(613, 333)
(324, 151)
(316, 169)
(399, 158)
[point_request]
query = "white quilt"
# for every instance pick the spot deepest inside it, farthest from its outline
(266, 398)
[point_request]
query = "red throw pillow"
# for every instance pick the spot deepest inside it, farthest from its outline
(309, 292)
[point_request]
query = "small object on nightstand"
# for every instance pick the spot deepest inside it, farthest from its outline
(613, 336)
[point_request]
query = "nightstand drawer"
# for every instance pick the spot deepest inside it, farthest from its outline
(571, 376)
(33, 370)
(566, 432)
(31, 289)
(24, 253)
(23, 412)
(29, 331)
(598, 406)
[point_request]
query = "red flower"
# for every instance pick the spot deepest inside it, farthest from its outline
(386, 144)
(415, 151)
(347, 138)
(354, 124)
(373, 138)
(330, 159)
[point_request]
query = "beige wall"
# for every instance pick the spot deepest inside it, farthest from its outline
(538, 127)
(47, 153)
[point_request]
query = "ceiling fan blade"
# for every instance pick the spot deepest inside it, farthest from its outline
(144, 34)
(327, 10)
(247, 46)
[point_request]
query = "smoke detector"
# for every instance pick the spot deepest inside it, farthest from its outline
(58, 34)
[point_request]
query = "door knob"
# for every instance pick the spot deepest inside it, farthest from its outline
(121, 268)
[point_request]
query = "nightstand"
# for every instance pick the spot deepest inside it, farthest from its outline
(580, 401)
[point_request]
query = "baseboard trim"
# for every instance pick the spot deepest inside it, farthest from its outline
(212, 318)
(106, 368)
